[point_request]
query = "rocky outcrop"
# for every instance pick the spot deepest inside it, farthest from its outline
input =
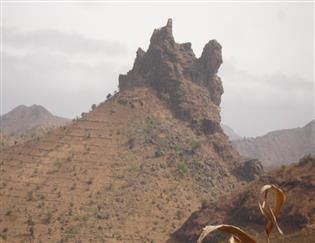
(188, 85)
(249, 169)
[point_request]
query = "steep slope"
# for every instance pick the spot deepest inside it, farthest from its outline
(297, 218)
(279, 147)
(136, 166)
(22, 119)
(230, 133)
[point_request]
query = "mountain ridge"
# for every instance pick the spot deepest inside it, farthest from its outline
(279, 147)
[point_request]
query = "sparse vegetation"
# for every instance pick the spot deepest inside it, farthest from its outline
(134, 167)
(204, 202)
(3, 234)
(159, 152)
(109, 95)
(177, 148)
(47, 218)
(58, 163)
(109, 187)
(81, 218)
(131, 143)
(195, 146)
(72, 230)
(30, 196)
(182, 168)
(244, 197)
(87, 134)
(307, 159)
(89, 181)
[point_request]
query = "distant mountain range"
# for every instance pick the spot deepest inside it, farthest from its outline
(23, 123)
(276, 147)
(23, 118)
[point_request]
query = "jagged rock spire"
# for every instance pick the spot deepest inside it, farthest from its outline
(178, 77)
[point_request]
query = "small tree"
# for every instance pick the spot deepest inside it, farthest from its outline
(109, 96)
(93, 107)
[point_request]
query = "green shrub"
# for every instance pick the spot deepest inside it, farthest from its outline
(204, 202)
(195, 145)
(58, 163)
(183, 168)
(176, 148)
(307, 159)
(244, 198)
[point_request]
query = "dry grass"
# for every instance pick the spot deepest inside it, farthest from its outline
(270, 210)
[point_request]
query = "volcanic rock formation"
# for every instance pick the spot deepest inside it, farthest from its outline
(188, 85)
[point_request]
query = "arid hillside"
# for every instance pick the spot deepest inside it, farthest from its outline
(297, 219)
(135, 167)
(279, 147)
(24, 123)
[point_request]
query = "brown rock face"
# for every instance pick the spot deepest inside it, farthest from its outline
(188, 85)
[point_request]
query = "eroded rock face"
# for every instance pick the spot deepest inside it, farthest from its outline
(189, 86)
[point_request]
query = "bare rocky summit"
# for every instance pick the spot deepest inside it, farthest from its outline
(189, 86)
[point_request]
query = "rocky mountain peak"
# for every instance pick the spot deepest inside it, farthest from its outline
(23, 118)
(188, 85)
(163, 35)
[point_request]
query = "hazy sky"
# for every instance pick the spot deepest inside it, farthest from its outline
(67, 56)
